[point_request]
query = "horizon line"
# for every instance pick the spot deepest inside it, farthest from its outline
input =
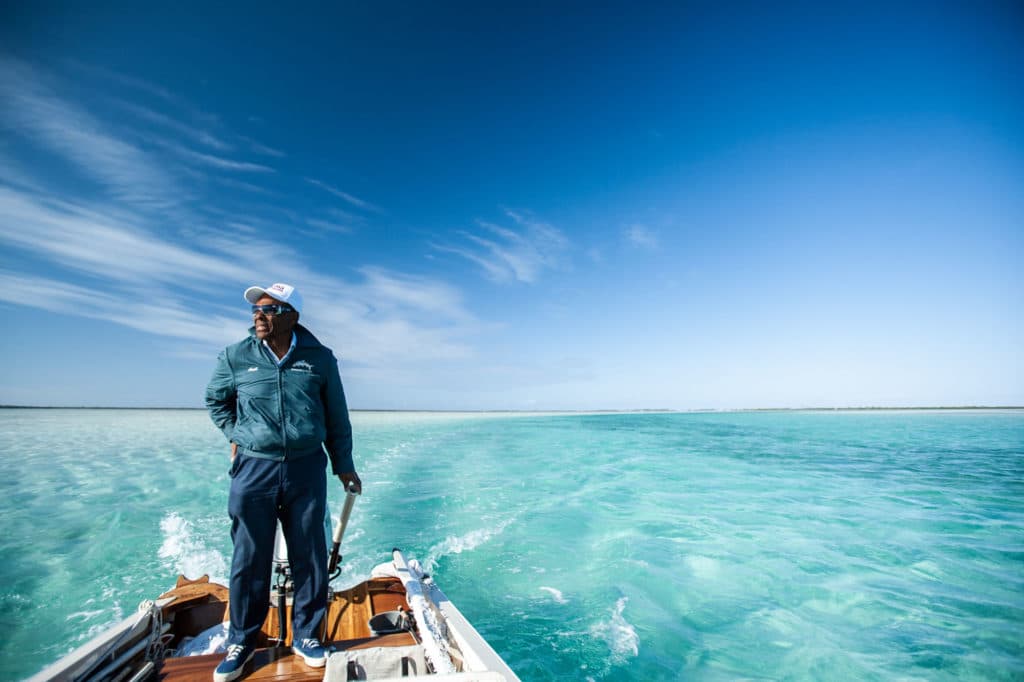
(849, 408)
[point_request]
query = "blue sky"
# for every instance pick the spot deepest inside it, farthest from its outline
(680, 205)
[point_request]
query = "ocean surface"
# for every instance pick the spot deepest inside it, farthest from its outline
(704, 546)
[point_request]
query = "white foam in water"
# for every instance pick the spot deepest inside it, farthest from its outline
(702, 566)
(928, 570)
(462, 543)
(557, 594)
(85, 615)
(620, 636)
(187, 553)
(103, 618)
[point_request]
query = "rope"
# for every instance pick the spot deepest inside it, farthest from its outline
(156, 645)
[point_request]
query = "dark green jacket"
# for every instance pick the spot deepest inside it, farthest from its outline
(282, 412)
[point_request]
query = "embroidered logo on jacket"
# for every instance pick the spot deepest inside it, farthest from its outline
(253, 369)
(302, 366)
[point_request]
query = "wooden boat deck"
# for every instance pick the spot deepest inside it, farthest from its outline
(348, 615)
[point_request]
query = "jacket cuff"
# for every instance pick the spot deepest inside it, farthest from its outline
(342, 465)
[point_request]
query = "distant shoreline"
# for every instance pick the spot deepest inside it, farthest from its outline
(956, 408)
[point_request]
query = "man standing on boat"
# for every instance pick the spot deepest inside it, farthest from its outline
(278, 398)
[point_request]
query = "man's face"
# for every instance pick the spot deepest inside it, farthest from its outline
(273, 326)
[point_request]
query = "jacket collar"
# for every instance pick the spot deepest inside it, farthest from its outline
(303, 337)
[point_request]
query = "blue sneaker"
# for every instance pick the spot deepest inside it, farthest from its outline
(311, 651)
(233, 665)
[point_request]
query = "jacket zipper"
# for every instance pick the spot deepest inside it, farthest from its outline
(280, 408)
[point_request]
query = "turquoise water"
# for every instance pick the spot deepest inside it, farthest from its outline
(794, 545)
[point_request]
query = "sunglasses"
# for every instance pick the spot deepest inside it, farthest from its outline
(274, 309)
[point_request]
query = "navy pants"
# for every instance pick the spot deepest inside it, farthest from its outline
(263, 491)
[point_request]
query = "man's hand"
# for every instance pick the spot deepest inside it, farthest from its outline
(351, 482)
(234, 451)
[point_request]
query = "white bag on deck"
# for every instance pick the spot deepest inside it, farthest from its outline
(376, 663)
(210, 641)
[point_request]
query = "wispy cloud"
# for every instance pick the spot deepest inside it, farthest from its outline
(217, 161)
(261, 148)
(106, 244)
(170, 317)
(391, 292)
(517, 253)
(351, 199)
(14, 174)
(197, 135)
(641, 236)
(344, 216)
(390, 320)
(243, 185)
(242, 227)
(135, 248)
(113, 265)
(201, 126)
(34, 110)
(328, 226)
(146, 161)
(131, 82)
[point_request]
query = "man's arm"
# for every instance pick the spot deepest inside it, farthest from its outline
(339, 430)
(221, 397)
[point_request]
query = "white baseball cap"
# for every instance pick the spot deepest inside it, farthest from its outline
(285, 293)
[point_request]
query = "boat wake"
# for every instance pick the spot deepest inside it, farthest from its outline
(186, 552)
(618, 634)
(556, 594)
(462, 543)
